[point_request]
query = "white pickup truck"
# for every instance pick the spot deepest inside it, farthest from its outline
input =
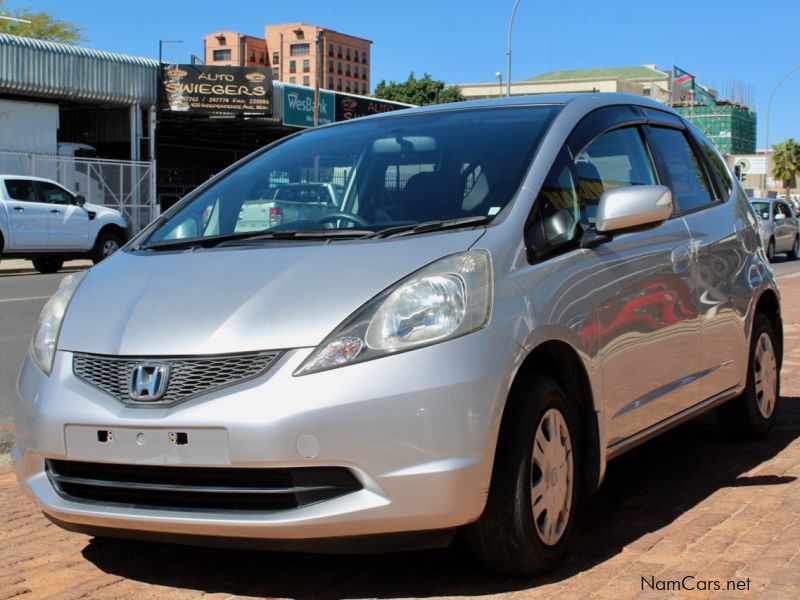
(42, 221)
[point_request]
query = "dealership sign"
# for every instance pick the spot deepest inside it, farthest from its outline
(352, 107)
(752, 165)
(215, 90)
(298, 106)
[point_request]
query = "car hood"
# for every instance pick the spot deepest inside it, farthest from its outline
(284, 295)
(102, 211)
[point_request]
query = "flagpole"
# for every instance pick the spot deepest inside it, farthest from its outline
(671, 83)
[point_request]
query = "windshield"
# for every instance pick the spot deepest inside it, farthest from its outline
(372, 175)
(762, 209)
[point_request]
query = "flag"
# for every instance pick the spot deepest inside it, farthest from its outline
(681, 77)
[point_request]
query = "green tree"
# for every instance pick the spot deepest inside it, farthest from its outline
(418, 91)
(42, 26)
(786, 162)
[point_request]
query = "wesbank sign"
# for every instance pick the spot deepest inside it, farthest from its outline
(298, 106)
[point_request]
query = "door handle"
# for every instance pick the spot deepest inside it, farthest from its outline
(681, 258)
(19, 209)
(55, 211)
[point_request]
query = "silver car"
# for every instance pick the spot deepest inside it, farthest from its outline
(779, 226)
(513, 293)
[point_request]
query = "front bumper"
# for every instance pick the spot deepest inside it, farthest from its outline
(418, 431)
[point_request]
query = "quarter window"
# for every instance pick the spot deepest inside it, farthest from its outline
(690, 187)
(718, 165)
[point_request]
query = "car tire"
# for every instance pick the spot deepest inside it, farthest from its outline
(792, 254)
(771, 250)
(515, 534)
(751, 415)
(45, 266)
(107, 243)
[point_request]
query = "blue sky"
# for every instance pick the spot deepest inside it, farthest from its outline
(462, 41)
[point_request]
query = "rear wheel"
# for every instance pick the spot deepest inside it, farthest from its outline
(107, 244)
(771, 250)
(529, 515)
(47, 265)
(792, 254)
(752, 414)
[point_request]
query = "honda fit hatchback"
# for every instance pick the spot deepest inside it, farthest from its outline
(510, 294)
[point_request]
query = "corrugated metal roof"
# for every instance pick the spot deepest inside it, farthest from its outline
(30, 67)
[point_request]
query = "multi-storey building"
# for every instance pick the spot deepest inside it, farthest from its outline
(235, 49)
(298, 53)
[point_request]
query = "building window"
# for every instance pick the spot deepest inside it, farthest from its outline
(363, 87)
(222, 54)
(330, 83)
(347, 69)
(355, 55)
(339, 84)
(299, 50)
(293, 79)
(292, 66)
(276, 73)
(364, 57)
(330, 50)
(348, 54)
(252, 56)
(339, 68)
(330, 66)
(347, 85)
(261, 58)
(306, 80)
(276, 58)
(339, 51)
(306, 65)
(364, 72)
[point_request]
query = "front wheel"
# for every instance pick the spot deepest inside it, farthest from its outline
(530, 513)
(46, 266)
(792, 254)
(771, 251)
(752, 414)
(107, 244)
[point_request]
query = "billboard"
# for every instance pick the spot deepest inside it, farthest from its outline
(216, 90)
(352, 107)
(298, 106)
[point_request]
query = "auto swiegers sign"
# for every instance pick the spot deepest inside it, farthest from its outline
(216, 90)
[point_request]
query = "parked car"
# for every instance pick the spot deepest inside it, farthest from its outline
(779, 226)
(510, 295)
(44, 222)
(289, 202)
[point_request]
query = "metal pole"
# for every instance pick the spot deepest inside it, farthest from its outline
(318, 70)
(161, 47)
(766, 125)
(508, 51)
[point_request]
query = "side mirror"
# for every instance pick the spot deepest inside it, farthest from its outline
(80, 200)
(633, 206)
(779, 216)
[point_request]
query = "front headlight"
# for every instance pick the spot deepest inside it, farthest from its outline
(449, 298)
(43, 346)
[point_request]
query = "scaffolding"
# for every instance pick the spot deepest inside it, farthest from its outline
(731, 126)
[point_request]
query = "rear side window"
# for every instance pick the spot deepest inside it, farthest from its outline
(689, 184)
(784, 208)
(21, 189)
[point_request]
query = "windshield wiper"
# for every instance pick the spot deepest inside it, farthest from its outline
(415, 228)
(279, 234)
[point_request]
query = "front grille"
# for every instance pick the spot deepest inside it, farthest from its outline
(189, 377)
(199, 488)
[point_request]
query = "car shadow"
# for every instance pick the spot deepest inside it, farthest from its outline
(644, 491)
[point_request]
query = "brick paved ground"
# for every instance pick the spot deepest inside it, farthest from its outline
(688, 503)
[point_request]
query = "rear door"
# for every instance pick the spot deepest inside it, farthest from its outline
(786, 227)
(68, 224)
(724, 237)
(27, 216)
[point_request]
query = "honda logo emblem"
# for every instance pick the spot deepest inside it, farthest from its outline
(148, 382)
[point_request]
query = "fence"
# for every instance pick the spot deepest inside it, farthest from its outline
(128, 186)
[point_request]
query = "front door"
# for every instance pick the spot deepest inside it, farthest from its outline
(27, 216)
(68, 224)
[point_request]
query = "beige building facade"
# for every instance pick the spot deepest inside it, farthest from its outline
(297, 53)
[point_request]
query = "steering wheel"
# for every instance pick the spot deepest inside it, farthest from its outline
(335, 216)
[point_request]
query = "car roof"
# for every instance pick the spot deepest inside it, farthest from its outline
(30, 178)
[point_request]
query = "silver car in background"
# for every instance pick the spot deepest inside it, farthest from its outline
(779, 227)
(511, 293)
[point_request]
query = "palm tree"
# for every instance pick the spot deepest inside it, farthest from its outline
(786, 162)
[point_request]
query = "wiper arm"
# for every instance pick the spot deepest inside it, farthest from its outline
(218, 240)
(403, 230)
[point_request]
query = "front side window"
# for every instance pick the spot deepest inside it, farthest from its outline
(21, 189)
(690, 188)
(54, 194)
(389, 171)
(615, 159)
